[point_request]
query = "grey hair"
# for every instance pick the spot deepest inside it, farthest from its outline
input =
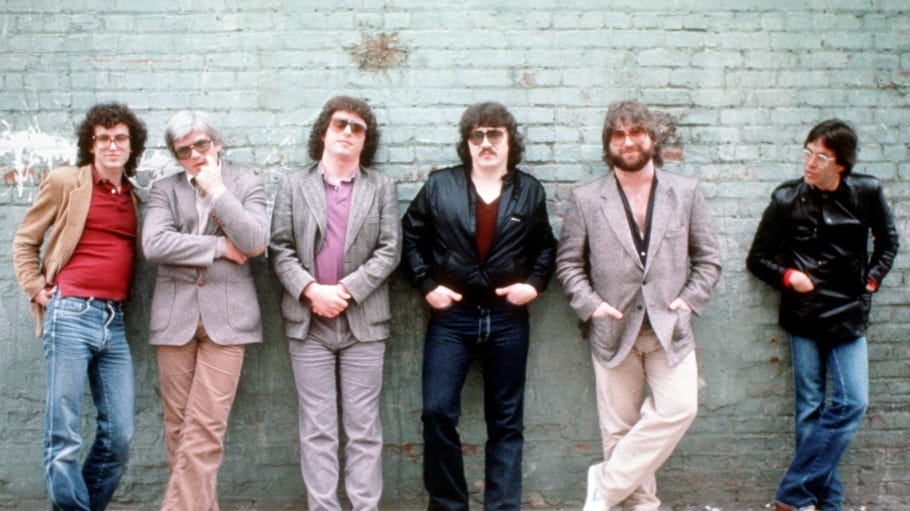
(185, 122)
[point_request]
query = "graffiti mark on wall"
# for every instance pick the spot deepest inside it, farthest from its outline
(27, 155)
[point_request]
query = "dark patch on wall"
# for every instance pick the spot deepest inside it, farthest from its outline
(378, 53)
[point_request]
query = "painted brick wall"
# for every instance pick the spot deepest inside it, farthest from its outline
(745, 80)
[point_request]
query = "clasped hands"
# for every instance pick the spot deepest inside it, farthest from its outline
(327, 300)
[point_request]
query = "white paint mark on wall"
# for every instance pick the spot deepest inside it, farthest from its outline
(31, 153)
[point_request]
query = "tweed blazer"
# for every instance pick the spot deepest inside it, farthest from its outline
(191, 282)
(61, 207)
(372, 249)
(597, 261)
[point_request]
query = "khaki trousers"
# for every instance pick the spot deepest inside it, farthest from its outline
(640, 432)
(198, 383)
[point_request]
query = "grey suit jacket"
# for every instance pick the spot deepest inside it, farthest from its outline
(597, 262)
(191, 282)
(372, 249)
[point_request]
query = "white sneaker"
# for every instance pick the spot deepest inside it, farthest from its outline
(594, 501)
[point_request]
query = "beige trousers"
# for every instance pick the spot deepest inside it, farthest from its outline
(198, 383)
(639, 432)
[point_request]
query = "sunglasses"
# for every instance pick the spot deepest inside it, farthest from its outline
(200, 146)
(494, 136)
(339, 124)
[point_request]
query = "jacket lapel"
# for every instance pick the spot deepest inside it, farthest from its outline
(361, 198)
(616, 217)
(662, 216)
(313, 190)
(186, 202)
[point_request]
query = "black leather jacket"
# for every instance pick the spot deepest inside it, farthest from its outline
(825, 235)
(440, 246)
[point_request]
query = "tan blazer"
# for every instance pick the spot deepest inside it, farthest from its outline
(372, 249)
(61, 206)
(191, 283)
(597, 261)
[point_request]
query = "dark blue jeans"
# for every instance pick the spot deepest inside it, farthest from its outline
(497, 337)
(825, 421)
(86, 337)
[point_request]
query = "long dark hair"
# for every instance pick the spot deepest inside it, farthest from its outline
(348, 104)
(494, 115)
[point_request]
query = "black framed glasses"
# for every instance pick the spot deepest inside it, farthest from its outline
(493, 135)
(104, 141)
(201, 146)
(340, 123)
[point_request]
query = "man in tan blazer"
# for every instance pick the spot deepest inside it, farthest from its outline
(637, 257)
(77, 290)
(201, 227)
(335, 240)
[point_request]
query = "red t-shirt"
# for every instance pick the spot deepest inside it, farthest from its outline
(102, 264)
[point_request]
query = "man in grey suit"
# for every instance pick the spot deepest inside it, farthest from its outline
(201, 227)
(335, 240)
(637, 257)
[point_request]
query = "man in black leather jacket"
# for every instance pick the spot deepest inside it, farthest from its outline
(478, 245)
(811, 245)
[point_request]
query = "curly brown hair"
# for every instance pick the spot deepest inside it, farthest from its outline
(494, 115)
(109, 115)
(347, 104)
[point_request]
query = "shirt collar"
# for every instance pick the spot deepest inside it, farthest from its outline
(328, 180)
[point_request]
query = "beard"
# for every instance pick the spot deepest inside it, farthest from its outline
(644, 156)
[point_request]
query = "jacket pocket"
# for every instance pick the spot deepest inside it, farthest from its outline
(162, 304)
(243, 315)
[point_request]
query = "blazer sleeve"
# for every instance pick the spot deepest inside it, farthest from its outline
(385, 257)
(163, 242)
(704, 256)
(283, 250)
(243, 217)
(571, 261)
(30, 236)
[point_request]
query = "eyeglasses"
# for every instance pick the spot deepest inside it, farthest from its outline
(823, 158)
(494, 136)
(104, 141)
(636, 134)
(340, 123)
(186, 151)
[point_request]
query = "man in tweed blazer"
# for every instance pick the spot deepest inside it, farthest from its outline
(201, 227)
(637, 257)
(335, 240)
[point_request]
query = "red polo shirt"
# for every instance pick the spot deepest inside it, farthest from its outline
(102, 264)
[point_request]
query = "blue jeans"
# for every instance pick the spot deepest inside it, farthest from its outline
(825, 424)
(86, 336)
(498, 338)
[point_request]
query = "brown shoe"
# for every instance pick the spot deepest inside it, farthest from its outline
(780, 506)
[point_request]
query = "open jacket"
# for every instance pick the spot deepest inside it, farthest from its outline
(372, 249)
(599, 262)
(825, 235)
(61, 206)
(193, 283)
(440, 242)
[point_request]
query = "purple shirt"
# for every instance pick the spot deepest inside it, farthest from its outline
(330, 258)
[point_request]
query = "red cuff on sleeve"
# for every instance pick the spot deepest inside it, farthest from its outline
(787, 277)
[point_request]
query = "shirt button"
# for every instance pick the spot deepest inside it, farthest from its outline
(200, 282)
